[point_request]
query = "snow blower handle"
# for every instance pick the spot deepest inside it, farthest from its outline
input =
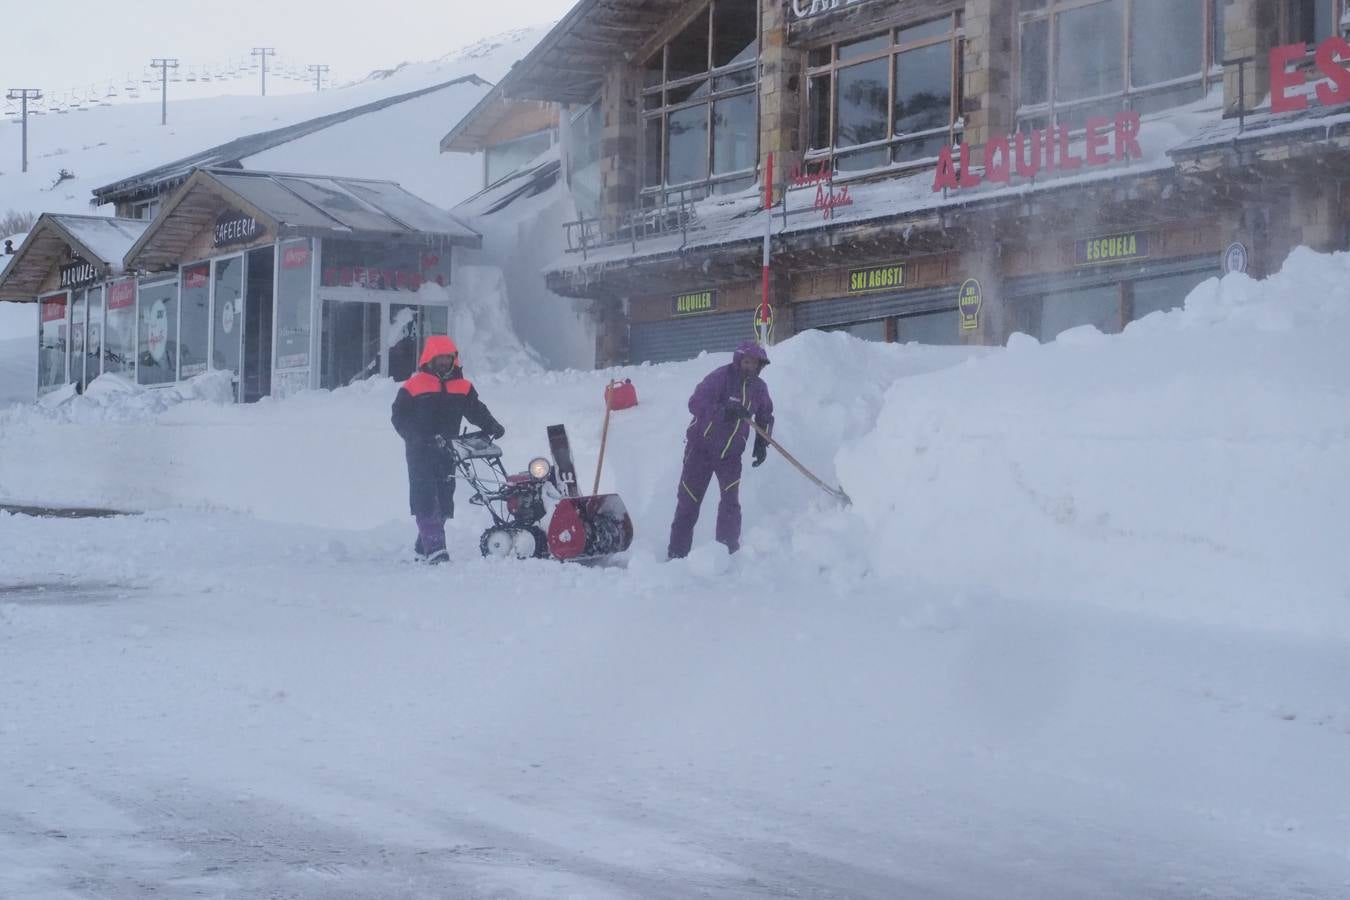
(835, 492)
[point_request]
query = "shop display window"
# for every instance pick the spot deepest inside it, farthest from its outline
(194, 326)
(53, 332)
(294, 298)
(157, 333)
(119, 338)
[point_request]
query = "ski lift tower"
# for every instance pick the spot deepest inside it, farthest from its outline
(164, 65)
(23, 95)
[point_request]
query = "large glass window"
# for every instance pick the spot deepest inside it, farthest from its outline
(1084, 58)
(93, 333)
(937, 328)
(583, 159)
(294, 290)
(77, 320)
(504, 158)
(1313, 21)
(194, 326)
(228, 318)
(1151, 295)
(350, 342)
(889, 98)
(157, 333)
(53, 328)
(700, 129)
(119, 339)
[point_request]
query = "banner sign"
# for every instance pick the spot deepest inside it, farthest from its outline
(693, 303)
(122, 294)
(237, 228)
(876, 278)
(195, 277)
(78, 274)
(969, 301)
(1044, 150)
(1113, 248)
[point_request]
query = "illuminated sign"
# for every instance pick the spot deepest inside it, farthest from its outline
(1044, 150)
(1332, 58)
(1114, 248)
(692, 304)
(876, 278)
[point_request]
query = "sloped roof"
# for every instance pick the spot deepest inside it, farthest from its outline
(569, 64)
(157, 180)
(291, 205)
(97, 239)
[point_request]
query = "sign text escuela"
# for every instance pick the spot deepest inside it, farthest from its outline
(1045, 150)
(1112, 248)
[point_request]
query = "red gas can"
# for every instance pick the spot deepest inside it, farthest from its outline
(621, 394)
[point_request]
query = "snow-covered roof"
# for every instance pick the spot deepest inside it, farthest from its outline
(162, 178)
(97, 239)
(1262, 126)
(292, 205)
(569, 64)
(533, 178)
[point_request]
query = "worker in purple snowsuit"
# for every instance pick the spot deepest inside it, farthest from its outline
(721, 405)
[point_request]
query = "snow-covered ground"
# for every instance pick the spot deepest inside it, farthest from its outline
(1082, 634)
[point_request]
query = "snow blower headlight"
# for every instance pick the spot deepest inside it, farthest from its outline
(540, 468)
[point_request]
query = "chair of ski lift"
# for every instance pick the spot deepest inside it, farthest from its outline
(191, 75)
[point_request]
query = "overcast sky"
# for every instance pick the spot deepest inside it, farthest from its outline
(67, 44)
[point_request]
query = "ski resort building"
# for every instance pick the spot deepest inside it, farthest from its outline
(282, 282)
(949, 171)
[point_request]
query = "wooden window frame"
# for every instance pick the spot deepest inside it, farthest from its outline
(826, 158)
(659, 194)
(1210, 71)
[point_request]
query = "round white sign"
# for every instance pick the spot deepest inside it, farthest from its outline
(1235, 258)
(227, 316)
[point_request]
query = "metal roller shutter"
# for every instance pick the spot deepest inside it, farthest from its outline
(1098, 275)
(679, 339)
(845, 310)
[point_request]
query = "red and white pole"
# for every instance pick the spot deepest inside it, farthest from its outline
(765, 311)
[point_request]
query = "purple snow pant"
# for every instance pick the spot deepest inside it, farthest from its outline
(699, 467)
(430, 532)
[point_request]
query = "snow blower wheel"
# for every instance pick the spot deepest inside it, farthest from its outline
(498, 542)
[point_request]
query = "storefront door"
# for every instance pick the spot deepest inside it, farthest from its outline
(257, 331)
(350, 342)
(228, 318)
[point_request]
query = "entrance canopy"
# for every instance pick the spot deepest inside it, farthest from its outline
(284, 206)
(58, 240)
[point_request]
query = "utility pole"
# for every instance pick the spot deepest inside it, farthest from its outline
(318, 76)
(164, 65)
(263, 53)
(23, 95)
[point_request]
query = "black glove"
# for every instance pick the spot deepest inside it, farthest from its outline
(734, 410)
(760, 453)
(438, 441)
(495, 431)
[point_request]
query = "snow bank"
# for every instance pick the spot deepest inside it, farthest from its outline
(1178, 468)
(1175, 470)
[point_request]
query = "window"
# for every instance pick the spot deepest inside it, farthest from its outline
(52, 331)
(294, 289)
(93, 337)
(892, 98)
(700, 128)
(157, 333)
(77, 320)
(1085, 58)
(502, 159)
(228, 341)
(147, 210)
(119, 341)
(583, 159)
(1312, 21)
(194, 324)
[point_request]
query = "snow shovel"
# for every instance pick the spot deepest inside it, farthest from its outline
(835, 492)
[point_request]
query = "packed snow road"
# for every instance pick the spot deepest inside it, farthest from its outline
(287, 712)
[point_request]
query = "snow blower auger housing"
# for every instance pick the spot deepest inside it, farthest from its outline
(584, 529)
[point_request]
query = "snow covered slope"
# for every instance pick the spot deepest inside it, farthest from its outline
(105, 144)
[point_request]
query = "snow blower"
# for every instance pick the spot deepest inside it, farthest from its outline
(584, 529)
